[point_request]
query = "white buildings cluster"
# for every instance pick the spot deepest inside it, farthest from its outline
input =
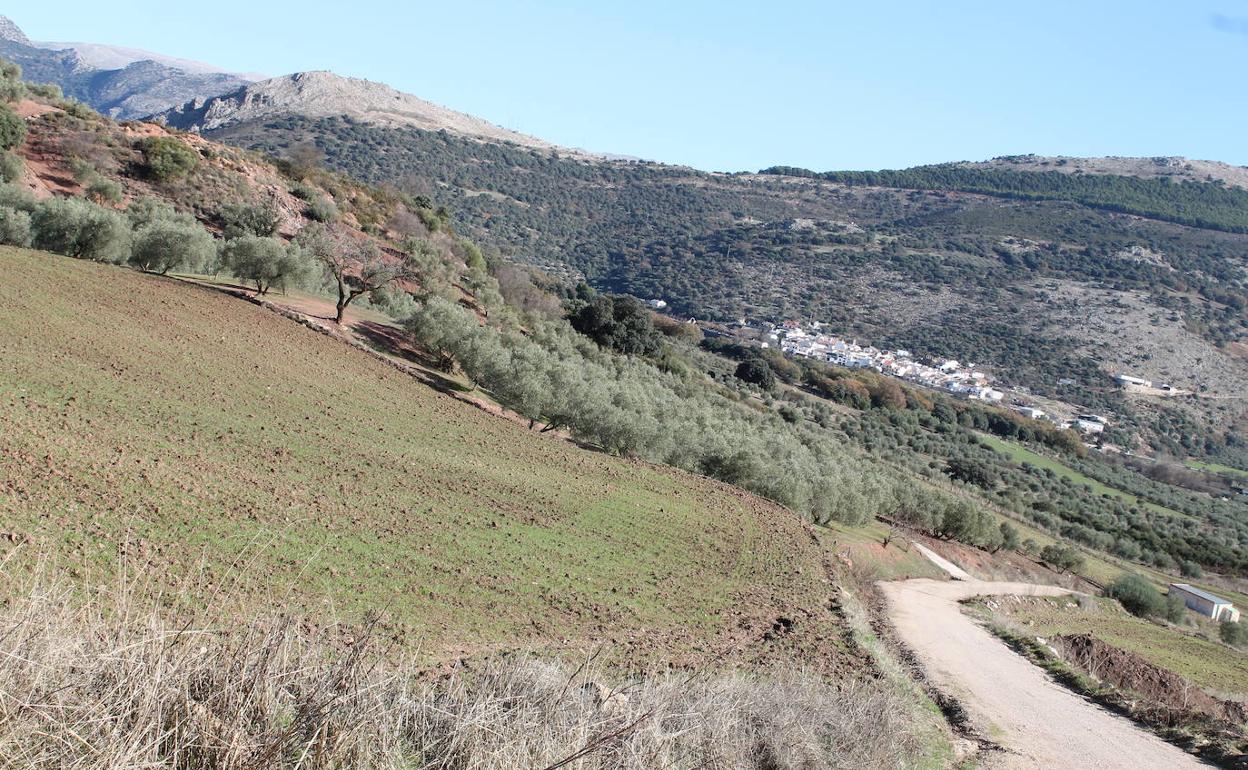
(944, 374)
(948, 375)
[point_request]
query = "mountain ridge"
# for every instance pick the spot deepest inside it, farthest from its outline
(1175, 167)
(109, 57)
(144, 83)
(321, 93)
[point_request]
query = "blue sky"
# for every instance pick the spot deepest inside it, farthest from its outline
(742, 85)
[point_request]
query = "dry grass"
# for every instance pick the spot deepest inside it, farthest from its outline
(108, 686)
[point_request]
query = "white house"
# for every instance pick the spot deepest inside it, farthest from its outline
(1205, 603)
(1088, 426)
(1126, 379)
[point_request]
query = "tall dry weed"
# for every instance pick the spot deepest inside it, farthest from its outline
(107, 687)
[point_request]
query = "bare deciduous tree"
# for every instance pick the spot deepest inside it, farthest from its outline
(356, 266)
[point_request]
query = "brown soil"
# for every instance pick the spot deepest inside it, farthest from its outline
(28, 108)
(1129, 671)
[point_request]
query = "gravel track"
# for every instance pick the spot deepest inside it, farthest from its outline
(1039, 723)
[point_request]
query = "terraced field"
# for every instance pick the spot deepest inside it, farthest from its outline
(1021, 454)
(158, 429)
(1216, 468)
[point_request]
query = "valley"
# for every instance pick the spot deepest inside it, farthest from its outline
(342, 429)
(1051, 292)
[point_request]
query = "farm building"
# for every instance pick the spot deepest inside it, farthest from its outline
(1126, 379)
(1205, 603)
(1089, 426)
(1030, 411)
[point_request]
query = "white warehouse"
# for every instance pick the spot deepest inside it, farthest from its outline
(1207, 604)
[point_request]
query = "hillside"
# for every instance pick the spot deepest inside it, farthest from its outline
(1174, 168)
(212, 446)
(994, 279)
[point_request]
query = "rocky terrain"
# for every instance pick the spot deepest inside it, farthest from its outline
(120, 82)
(324, 94)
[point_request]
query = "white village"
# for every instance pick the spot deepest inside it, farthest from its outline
(950, 375)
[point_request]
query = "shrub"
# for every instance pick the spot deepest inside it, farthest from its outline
(168, 244)
(259, 219)
(471, 254)
(11, 167)
(14, 227)
(266, 262)
(11, 86)
(429, 219)
(12, 128)
(168, 158)
(78, 228)
(1176, 608)
(756, 372)
(1233, 633)
(48, 92)
(1009, 536)
(1064, 558)
(77, 109)
(322, 209)
(1138, 596)
(103, 190)
(621, 323)
(304, 192)
(18, 198)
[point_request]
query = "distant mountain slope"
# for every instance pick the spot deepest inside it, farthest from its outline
(1166, 167)
(324, 94)
(1210, 205)
(134, 88)
(995, 279)
(112, 57)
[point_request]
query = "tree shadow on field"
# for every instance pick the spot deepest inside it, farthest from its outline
(391, 341)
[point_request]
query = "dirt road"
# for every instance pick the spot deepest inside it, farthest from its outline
(1010, 700)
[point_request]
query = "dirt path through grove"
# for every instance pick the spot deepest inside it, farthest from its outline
(1039, 723)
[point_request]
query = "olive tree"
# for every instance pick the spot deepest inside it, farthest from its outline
(265, 262)
(12, 128)
(168, 158)
(11, 167)
(448, 332)
(11, 86)
(14, 227)
(239, 219)
(78, 228)
(169, 244)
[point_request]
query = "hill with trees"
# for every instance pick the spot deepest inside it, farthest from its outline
(998, 266)
(599, 368)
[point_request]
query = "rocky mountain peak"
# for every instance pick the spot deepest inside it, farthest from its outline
(325, 94)
(11, 32)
